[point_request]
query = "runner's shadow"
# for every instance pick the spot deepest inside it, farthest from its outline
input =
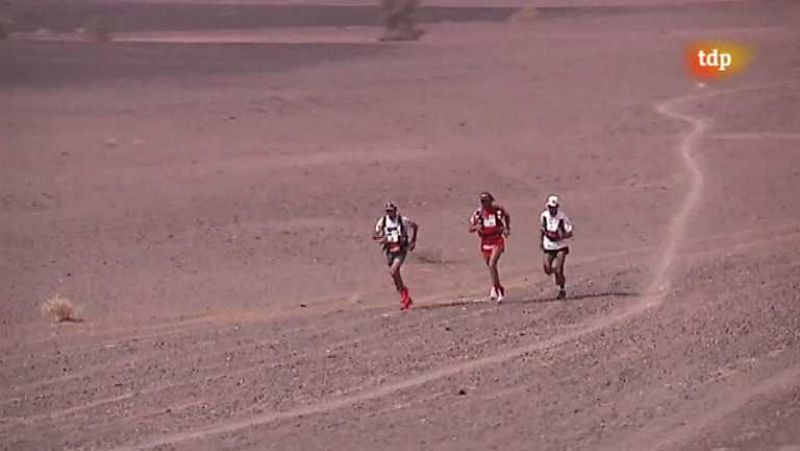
(452, 304)
(571, 298)
(578, 297)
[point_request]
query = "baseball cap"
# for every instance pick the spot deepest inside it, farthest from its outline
(552, 200)
(389, 206)
(486, 195)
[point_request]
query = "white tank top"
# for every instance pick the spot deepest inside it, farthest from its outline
(555, 227)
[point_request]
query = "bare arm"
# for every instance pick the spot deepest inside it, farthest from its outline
(377, 234)
(507, 218)
(568, 228)
(414, 233)
(474, 224)
(541, 234)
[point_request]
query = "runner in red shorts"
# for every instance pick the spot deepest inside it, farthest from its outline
(492, 223)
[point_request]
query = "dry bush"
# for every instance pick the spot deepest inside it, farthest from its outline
(99, 29)
(5, 28)
(60, 309)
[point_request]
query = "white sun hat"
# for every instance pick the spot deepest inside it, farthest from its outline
(552, 200)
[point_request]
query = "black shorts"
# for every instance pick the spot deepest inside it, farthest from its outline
(398, 255)
(553, 253)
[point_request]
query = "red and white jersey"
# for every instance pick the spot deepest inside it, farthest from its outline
(554, 228)
(492, 221)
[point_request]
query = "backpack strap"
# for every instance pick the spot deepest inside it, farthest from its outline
(401, 227)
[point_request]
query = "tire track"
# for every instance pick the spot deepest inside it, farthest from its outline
(656, 293)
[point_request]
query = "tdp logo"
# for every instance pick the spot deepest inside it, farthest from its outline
(715, 60)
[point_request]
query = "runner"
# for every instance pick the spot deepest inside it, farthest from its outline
(556, 229)
(391, 232)
(493, 224)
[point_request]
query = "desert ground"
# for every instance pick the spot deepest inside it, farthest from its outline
(204, 187)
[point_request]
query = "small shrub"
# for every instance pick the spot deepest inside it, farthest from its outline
(60, 309)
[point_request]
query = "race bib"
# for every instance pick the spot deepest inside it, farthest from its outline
(393, 236)
(490, 221)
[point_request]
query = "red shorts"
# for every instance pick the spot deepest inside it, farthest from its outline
(488, 245)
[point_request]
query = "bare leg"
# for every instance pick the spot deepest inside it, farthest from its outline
(547, 263)
(492, 262)
(394, 271)
(558, 268)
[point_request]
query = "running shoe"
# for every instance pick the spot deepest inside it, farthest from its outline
(405, 299)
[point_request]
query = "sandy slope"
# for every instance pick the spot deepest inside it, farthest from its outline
(191, 197)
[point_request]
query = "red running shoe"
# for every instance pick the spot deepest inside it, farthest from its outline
(405, 299)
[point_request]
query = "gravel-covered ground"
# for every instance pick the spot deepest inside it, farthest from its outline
(208, 208)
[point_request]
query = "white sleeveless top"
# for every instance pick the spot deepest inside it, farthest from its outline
(554, 226)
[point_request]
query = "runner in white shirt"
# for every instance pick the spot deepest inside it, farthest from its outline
(397, 235)
(556, 230)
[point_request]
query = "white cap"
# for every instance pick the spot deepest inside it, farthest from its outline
(552, 201)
